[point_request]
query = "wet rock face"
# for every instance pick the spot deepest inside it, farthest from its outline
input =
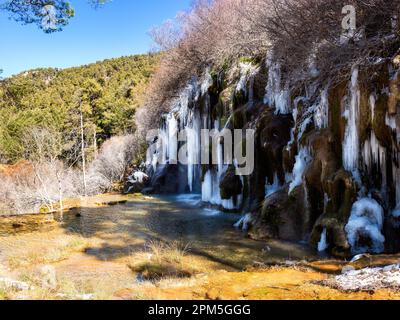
(282, 216)
(272, 136)
(321, 169)
(341, 193)
(231, 186)
(166, 180)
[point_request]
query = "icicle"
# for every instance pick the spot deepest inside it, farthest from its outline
(302, 161)
(351, 143)
(193, 148)
(272, 188)
(390, 121)
(375, 155)
(372, 103)
(321, 116)
(207, 187)
(276, 95)
(323, 243)
(206, 82)
(172, 125)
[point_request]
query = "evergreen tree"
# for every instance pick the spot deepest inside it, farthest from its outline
(48, 15)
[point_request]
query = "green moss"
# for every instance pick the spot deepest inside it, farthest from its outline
(252, 60)
(44, 210)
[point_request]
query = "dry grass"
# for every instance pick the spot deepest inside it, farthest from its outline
(6, 293)
(163, 260)
(48, 255)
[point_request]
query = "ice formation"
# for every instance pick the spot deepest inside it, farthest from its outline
(351, 141)
(321, 116)
(272, 188)
(302, 161)
(277, 94)
(364, 229)
(323, 243)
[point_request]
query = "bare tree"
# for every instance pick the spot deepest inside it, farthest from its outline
(79, 103)
(49, 153)
(297, 32)
(113, 162)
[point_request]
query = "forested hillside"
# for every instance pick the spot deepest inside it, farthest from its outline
(108, 93)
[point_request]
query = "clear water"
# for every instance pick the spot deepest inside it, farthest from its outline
(209, 232)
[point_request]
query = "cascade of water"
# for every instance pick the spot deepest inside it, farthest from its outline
(351, 145)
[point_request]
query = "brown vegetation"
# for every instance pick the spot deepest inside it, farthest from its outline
(300, 34)
(51, 173)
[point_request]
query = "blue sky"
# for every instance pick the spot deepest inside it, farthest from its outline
(118, 28)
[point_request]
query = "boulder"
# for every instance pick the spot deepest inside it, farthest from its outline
(136, 182)
(282, 217)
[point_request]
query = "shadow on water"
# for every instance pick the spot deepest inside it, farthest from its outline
(124, 228)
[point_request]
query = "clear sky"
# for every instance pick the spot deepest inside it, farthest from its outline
(116, 29)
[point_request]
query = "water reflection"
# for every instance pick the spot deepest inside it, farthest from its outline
(124, 228)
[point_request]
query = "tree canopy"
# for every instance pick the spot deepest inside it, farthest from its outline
(109, 93)
(48, 15)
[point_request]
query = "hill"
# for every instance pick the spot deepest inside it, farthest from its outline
(108, 93)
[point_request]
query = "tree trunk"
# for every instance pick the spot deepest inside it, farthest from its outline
(95, 142)
(83, 154)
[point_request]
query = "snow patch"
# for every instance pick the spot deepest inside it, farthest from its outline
(367, 279)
